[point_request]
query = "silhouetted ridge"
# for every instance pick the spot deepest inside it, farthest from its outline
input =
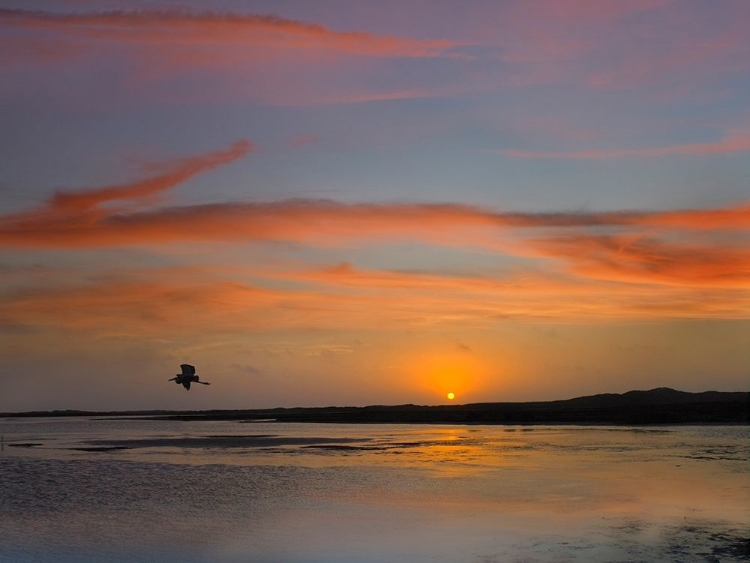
(658, 396)
(656, 406)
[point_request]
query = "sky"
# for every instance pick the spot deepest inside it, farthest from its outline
(341, 202)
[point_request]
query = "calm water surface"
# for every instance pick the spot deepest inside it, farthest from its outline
(82, 490)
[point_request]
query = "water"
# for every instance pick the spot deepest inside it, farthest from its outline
(136, 490)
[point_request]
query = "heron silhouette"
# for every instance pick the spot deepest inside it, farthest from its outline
(187, 377)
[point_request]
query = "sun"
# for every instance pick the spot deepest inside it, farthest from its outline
(451, 395)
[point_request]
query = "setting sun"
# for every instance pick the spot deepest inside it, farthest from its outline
(445, 374)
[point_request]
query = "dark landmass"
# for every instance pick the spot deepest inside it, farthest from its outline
(657, 406)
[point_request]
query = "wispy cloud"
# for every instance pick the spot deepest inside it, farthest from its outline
(732, 143)
(178, 172)
(184, 28)
(78, 218)
(303, 140)
(731, 217)
(82, 210)
(610, 46)
(631, 258)
(594, 11)
(347, 298)
(239, 57)
(519, 44)
(366, 97)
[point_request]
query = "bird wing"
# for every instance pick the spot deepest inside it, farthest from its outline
(187, 369)
(186, 384)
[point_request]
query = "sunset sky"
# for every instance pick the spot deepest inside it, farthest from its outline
(337, 202)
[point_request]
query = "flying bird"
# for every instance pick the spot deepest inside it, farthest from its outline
(187, 377)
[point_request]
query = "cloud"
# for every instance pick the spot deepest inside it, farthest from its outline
(77, 219)
(303, 140)
(583, 253)
(733, 143)
(351, 299)
(630, 258)
(592, 11)
(179, 172)
(129, 308)
(553, 128)
(255, 58)
(678, 57)
(735, 217)
(81, 211)
(163, 28)
(150, 56)
(648, 46)
(247, 368)
(591, 267)
(649, 279)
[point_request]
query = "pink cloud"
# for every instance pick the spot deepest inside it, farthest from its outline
(182, 28)
(596, 11)
(682, 60)
(304, 140)
(613, 46)
(732, 143)
(283, 61)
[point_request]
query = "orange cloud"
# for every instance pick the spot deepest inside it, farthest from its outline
(183, 170)
(135, 306)
(293, 220)
(738, 142)
(637, 286)
(80, 210)
(183, 28)
(346, 298)
(615, 45)
(304, 221)
(737, 217)
(86, 219)
(76, 219)
(647, 260)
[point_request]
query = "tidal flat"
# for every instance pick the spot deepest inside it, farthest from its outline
(127, 489)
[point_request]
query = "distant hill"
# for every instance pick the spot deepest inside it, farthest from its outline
(658, 396)
(656, 406)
